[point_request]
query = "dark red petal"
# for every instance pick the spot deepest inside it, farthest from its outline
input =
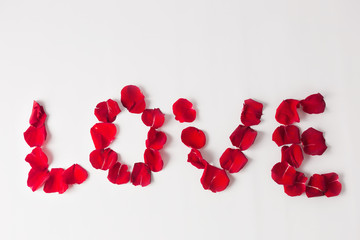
(298, 187)
(103, 158)
(286, 113)
(107, 111)
(243, 137)
(75, 174)
(313, 142)
(37, 178)
(333, 185)
(103, 134)
(141, 174)
(119, 174)
(214, 178)
(196, 159)
(233, 160)
(133, 99)
(35, 137)
(37, 159)
(153, 118)
(286, 135)
(193, 137)
(56, 181)
(292, 155)
(313, 104)
(283, 173)
(155, 139)
(251, 112)
(183, 110)
(38, 115)
(316, 186)
(153, 159)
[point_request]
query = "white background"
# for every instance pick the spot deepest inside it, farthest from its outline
(70, 55)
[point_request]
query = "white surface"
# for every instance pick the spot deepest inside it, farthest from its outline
(70, 55)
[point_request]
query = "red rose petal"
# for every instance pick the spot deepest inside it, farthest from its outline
(75, 174)
(214, 178)
(56, 181)
(292, 155)
(183, 110)
(153, 118)
(243, 137)
(155, 139)
(313, 142)
(153, 159)
(233, 160)
(133, 99)
(103, 158)
(333, 185)
(316, 186)
(286, 135)
(37, 159)
(286, 113)
(35, 137)
(103, 134)
(283, 173)
(107, 111)
(38, 115)
(141, 174)
(196, 159)
(298, 187)
(251, 112)
(119, 174)
(193, 137)
(313, 104)
(37, 178)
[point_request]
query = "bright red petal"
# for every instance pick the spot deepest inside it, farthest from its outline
(153, 159)
(119, 174)
(196, 159)
(155, 139)
(133, 99)
(313, 104)
(141, 174)
(286, 113)
(316, 186)
(35, 137)
(37, 159)
(107, 111)
(298, 187)
(243, 137)
(233, 160)
(333, 185)
(103, 134)
(193, 137)
(38, 116)
(283, 173)
(153, 118)
(214, 178)
(56, 182)
(183, 110)
(75, 174)
(292, 155)
(37, 178)
(286, 135)
(103, 158)
(313, 142)
(251, 112)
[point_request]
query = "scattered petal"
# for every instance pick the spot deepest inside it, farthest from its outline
(155, 139)
(233, 160)
(37, 159)
(119, 174)
(313, 104)
(214, 178)
(193, 137)
(313, 142)
(286, 113)
(183, 110)
(153, 159)
(141, 174)
(103, 158)
(75, 174)
(107, 111)
(333, 185)
(103, 134)
(153, 118)
(289, 134)
(37, 178)
(292, 155)
(251, 112)
(196, 159)
(316, 186)
(283, 173)
(133, 99)
(38, 115)
(56, 182)
(243, 137)
(298, 187)
(35, 137)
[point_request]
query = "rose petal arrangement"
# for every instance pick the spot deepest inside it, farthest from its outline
(104, 133)
(233, 159)
(57, 179)
(293, 145)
